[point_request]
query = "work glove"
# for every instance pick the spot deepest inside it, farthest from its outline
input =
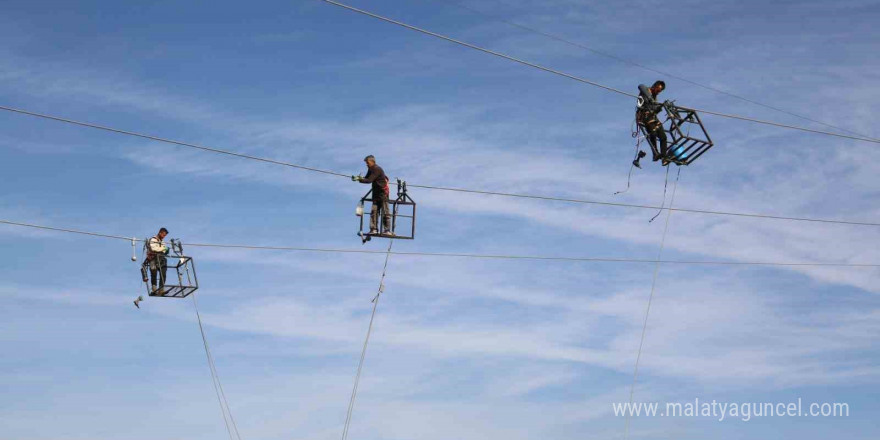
(356, 178)
(166, 251)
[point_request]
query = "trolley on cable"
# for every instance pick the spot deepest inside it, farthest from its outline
(158, 258)
(402, 212)
(688, 137)
(680, 138)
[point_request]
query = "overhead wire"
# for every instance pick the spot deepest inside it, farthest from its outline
(595, 51)
(389, 252)
(215, 378)
(467, 255)
(67, 230)
(581, 79)
(168, 141)
(434, 187)
(640, 206)
(478, 48)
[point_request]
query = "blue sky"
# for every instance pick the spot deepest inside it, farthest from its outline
(461, 349)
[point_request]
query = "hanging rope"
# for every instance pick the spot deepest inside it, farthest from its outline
(665, 185)
(231, 427)
(638, 137)
(648, 308)
(357, 377)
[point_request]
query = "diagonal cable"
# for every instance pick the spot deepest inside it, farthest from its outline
(357, 378)
(467, 255)
(644, 67)
(648, 307)
(581, 79)
(441, 188)
(231, 427)
(168, 141)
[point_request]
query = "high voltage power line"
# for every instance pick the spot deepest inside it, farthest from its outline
(430, 187)
(232, 429)
(581, 79)
(459, 255)
(608, 55)
(611, 89)
(167, 141)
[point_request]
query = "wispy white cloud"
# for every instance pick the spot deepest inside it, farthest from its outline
(478, 349)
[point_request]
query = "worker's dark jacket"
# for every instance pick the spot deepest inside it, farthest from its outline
(650, 107)
(376, 176)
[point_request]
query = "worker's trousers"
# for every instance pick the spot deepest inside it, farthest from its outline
(158, 265)
(380, 207)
